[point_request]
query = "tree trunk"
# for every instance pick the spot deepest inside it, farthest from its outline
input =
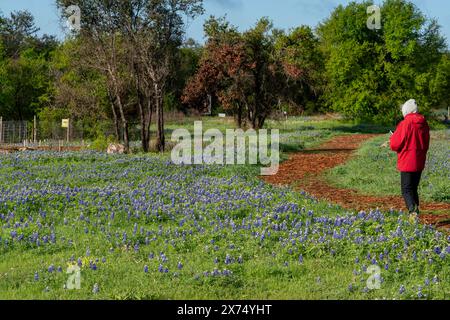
(115, 119)
(143, 124)
(160, 138)
(239, 115)
(126, 141)
(149, 120)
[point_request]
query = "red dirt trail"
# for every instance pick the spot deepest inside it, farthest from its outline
(303, 170)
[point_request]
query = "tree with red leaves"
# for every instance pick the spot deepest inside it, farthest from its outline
(238, 70)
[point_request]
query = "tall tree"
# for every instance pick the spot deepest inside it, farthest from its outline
(17, 32)
(241, 70)
(156, 29)
(24, 58)
(303, 64)
(102, 35)
(371, 72)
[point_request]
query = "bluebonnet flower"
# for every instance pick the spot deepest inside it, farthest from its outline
(180, 265)
(161, 268)
(228, 259)
(36, 276)
(59, 269)
(402, 289)
(51, 268)
(240, 260)
(95, 289)
(419, 293)
(427, 282)
(146, 269)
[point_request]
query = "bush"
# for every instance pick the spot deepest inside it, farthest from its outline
(101, 143)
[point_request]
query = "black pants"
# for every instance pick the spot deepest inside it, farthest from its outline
(410, 184)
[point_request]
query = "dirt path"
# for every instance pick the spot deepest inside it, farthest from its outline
(304, 170)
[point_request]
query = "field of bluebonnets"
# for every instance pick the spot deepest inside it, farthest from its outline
(140, 227)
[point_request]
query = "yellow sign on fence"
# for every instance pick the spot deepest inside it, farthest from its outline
(65, 123)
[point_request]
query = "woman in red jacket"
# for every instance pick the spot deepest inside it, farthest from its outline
(411, 141)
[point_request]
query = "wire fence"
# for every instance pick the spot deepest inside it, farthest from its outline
(37, 133)
(13, 132)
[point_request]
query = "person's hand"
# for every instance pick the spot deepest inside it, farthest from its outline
(391, 133)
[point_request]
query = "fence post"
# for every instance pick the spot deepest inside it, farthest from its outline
(34, 130)
(1, 129)
(68, 131)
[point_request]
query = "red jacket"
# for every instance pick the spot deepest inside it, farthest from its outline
(411, 141)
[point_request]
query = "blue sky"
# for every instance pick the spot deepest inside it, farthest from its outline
(242, 13)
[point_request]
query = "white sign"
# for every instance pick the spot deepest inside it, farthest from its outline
(65, 123)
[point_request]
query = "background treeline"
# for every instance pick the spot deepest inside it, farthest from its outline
(130, 64)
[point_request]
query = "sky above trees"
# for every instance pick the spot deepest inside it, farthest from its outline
(242, 13)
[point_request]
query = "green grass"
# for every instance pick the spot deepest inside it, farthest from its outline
(373, 170)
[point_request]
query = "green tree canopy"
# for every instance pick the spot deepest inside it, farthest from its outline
(371, 73)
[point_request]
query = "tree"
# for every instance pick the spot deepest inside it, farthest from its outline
(23, 81)
(156, 29)
(303, 66)
(370, 73)
(79, 90)
(440, 83)
(17, 32)
(239, 69)
(136, 41)
(102, 35)
(24, 57)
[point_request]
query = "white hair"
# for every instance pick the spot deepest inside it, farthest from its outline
(410, 107)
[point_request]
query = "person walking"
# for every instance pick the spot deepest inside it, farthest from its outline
(411, 141)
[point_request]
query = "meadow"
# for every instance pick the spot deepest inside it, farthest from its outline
(140, 227)
(373, 170)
